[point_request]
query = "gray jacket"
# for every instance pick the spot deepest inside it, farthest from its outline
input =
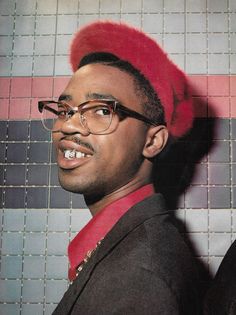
(142, 267)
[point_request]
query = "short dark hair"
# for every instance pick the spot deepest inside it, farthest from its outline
(152, 106)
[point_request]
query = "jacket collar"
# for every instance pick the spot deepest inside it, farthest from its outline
(138, 214)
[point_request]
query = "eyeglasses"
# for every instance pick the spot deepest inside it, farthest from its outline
(96, 116)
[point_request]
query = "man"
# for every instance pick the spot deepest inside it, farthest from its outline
(221, 297)
(110, 123)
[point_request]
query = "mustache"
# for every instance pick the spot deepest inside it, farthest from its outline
(77, 140)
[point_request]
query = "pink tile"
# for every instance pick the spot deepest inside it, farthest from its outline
(218, 85)
(42, 87)
(198, 84)
(200, 106)
(233, 85)
(4, 106)
(59, 85)
(21, 87)
(233, 107)
(4, 87)
(20, 108)
(34, 113)
(219, 107)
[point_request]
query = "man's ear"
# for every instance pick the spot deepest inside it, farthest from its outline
(155, 141)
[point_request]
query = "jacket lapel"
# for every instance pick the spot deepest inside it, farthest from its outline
(135, 216)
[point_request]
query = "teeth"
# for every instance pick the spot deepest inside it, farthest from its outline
(69, 154)
(72, 154)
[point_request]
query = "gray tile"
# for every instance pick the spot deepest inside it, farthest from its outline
(33, 291)
(11, 267)
(13, 220)
(12, 243)
(36, 220)
(57, 243)
(61, 270)
(55, 290)
(34, 267)
(35, 243)
(6, 25)
(58, 220)
(10, 291)
(219, 197)
(26, 7)
(29, 309)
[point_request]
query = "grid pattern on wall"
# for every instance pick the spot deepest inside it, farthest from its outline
(38, 217)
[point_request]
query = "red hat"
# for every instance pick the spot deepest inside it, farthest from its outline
(132, 45)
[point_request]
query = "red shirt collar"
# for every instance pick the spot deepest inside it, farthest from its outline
(101, 224)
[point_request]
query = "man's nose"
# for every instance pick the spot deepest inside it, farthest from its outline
(73, 125)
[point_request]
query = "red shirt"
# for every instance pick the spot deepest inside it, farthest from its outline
(98, 227)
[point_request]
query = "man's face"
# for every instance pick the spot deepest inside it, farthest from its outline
(108, 161)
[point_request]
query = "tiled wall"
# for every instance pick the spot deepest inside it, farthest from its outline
(38, 217)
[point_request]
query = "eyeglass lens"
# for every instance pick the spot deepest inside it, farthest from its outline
(95, 117)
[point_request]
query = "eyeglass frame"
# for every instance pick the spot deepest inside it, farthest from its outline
(117, 107)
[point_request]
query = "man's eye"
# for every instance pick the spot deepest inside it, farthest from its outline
(102, 111)
(61, 112)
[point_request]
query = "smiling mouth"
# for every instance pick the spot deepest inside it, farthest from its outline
(74, 154)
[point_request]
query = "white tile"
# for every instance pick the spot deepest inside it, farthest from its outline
(129, 6)
(196, 64)
(196, 22)
(66, 24)
(23, 45)
(62, 66)
(218, 64)
(107, 6)
(44, 45)
(174, 43)
(219, 243)
(199, 241)
(218, 43)
(132, 19)
(217, 5)
(197, 220)
(196, 43)
(47, 7)
(152, 5)
(214, 263)
(174, 23)
(174, 5)
(22, 66)
(153, 23)
(196, 6)
(220, 220)
(89, 6)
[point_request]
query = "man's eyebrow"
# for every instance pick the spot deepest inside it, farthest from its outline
(99, 96)
(64, 97)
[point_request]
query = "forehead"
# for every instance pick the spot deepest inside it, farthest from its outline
(105, 80)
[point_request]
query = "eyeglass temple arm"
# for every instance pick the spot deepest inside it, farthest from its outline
(43, 104)
(136, 115)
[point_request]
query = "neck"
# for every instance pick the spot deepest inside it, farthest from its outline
(95, 204)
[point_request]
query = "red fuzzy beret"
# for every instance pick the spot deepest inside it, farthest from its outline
(132, 45)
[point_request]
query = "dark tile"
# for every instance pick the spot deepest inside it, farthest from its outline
(196, 197)
(1, 175)
(53, 155)
(17, 153)
(39, 152)
(220, 152)
(38, 174)
(221, 129)
(38, 132)
(37, 197)
(3, 130)
(15, 175)
(59, 198)
(2, 152)
(219, 197)
(234, 198)
(234, 151)
(14, 198)
(78, 201)
(1, 198)
(233, 128)
(219, 174)
(234, 174)
(18, 130)
(54, 176)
